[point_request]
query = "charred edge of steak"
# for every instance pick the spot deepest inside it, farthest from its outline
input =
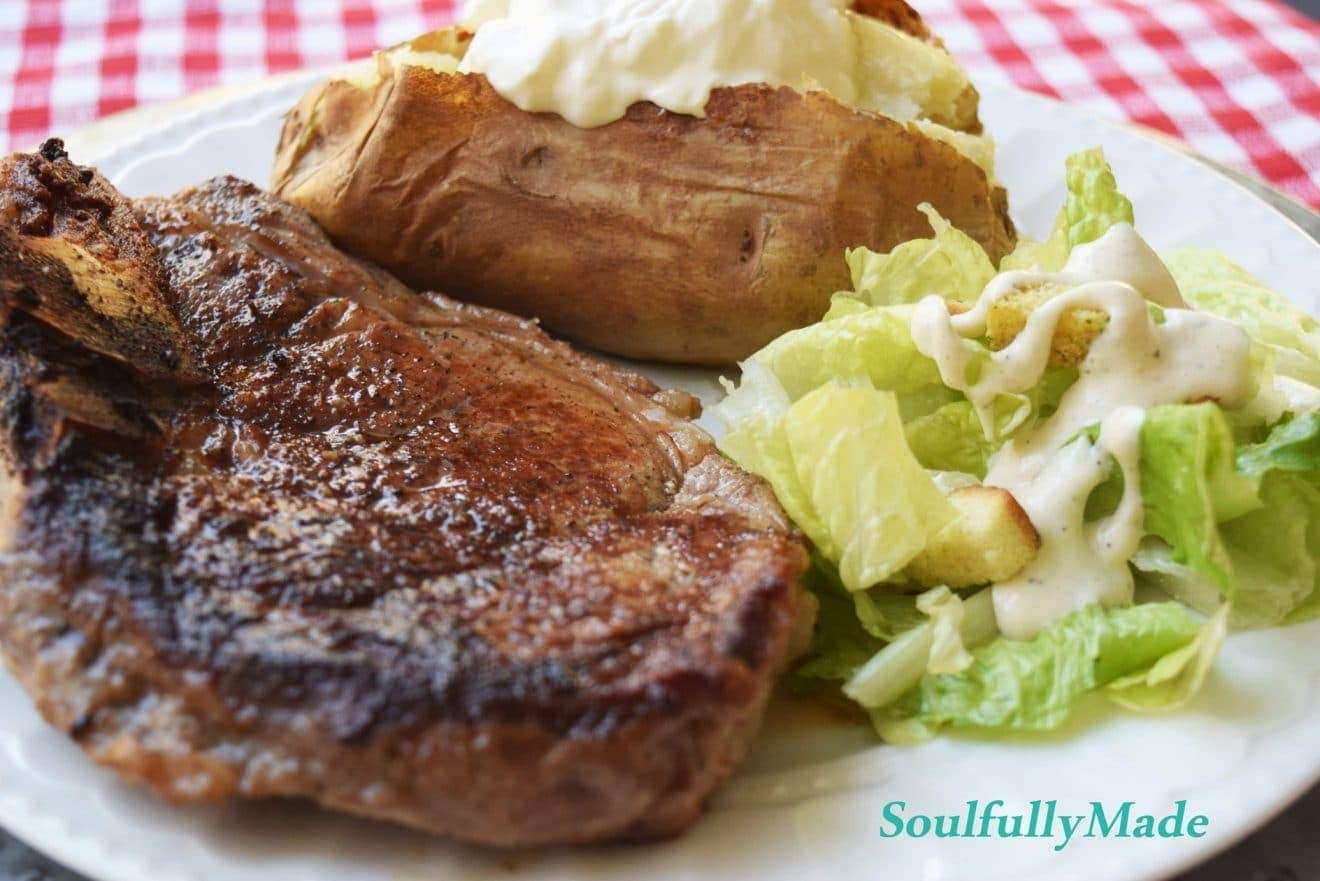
(73, 255)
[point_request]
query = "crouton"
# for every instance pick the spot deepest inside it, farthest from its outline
(1072, 338)
(991, 540)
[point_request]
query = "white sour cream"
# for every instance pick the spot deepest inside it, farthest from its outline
(589, 60)
(1135, 363)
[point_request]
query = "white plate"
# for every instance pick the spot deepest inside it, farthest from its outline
(808, 802)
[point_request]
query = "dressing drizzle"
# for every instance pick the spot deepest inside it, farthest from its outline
(1051, 468)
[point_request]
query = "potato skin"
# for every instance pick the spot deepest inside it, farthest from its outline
(899, 14)
(659, 236)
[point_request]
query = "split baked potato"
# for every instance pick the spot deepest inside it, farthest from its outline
(659, 236)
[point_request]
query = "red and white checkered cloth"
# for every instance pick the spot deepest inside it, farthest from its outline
(1238, 80)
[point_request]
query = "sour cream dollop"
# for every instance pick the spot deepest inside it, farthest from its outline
(589, 60)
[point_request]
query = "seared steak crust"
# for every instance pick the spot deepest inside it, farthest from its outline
(277, 526)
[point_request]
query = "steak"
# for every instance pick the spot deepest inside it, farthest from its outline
(273, 524)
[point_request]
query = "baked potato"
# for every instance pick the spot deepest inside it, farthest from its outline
(659, 236)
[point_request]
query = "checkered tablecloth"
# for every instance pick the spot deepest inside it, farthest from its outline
(1238, 80)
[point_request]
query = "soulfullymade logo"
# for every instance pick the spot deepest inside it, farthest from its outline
(1044, 820)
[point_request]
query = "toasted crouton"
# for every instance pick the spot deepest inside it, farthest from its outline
(1072, 338)
(991, 539)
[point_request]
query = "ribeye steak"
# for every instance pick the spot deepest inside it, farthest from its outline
(272, 524)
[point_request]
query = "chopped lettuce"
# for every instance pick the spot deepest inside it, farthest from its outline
(1293, 445)
(753, 414)
(887, 615)
(1189, 486)
(838, 462)
(851, 626)
(1275, 550)
(947, 652)
(878, 506)
(1261, 557)
(952, 265)
(1093, 205)
(901, 665)
(860, 440)
(950, 439)
(1048, 255)
(1172, 680)
(843, 304)
(1212, 283)
(1094, 202)
(1033, 685)
(874, 346)
(1277, 547)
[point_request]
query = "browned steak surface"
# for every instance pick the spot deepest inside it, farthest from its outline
(275, 525)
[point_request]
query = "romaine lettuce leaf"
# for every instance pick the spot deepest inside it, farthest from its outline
(900, 666)
(950, 439)
(1212, 283)
(945, 609)
(838, 462)
(843, 304)
(878, 506)
(873, 345)
(1094, 202)
(1048, 255)
(887, 615)
(851, 626)
(1263, 561)
(752, 414)
(1093, 205)
(1189, 486)
(1275, 550)
(1033, 685)
(1175, 678)
(952, 265)
(1293, 445)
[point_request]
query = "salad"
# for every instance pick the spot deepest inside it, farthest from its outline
(1069, 473)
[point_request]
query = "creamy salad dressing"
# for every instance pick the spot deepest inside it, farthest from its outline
(1135, 363)
(589, 60)
(1078, 563)
(1122, 255)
